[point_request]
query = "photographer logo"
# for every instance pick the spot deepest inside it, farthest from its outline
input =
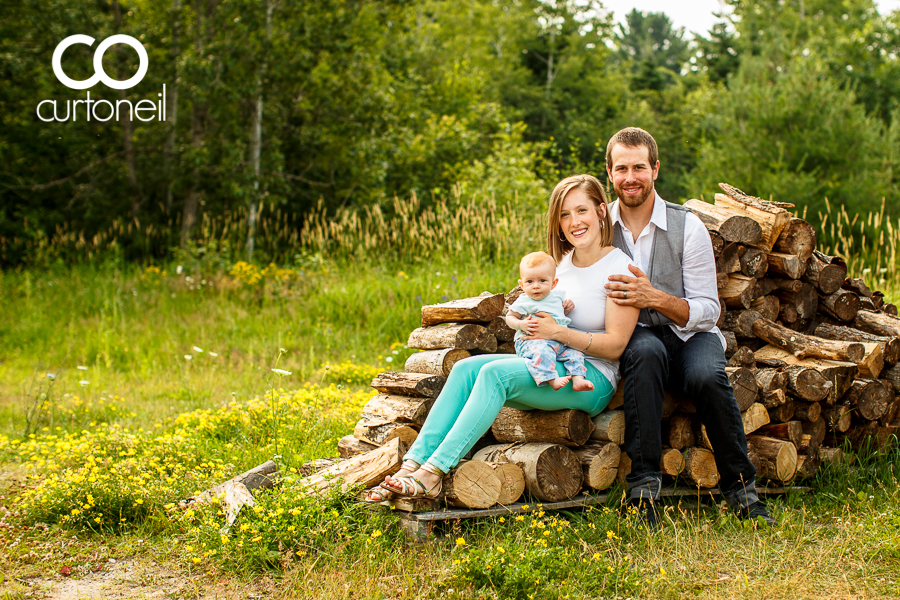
(144, 110)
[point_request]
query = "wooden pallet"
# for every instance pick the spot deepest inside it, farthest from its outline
(419, 516)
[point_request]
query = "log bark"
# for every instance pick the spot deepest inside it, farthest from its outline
(367, 469)
(740, 322)
(841, 305)
(838, 374)
(680, 434)
(890, 416)
(783, 412)
(826, 273)
(743, 382)
(380, 431)
(624, 468)
(770, 380)
(870, 397)
(512, 481)
(754, 417)
(877, 323)
(349, 446)
(435, 362)
(804, 346)
(890, 346)
(774, 399)
(807, 383)
(718, 242)
(398, 409)
(739, 291)
(798, 238)
(609, 426)
(472, 484)
(732, 227)
(777, 458)
(771, 216)
(767, 306)
(700, 468)
(872, 437)
(317, 464)
(837, 418)
(730, 259)
(743, 357)
(501, 331)
(802, 297)
(807, 466)
(552, 472)
(807, 411)
(816, 431)
(506, 348)
(672, 462)
(754, 263)
(419, 385)
(466, 336)
(834, 456)
(480, 309)
(565, 427)
(786, 265)
(600, 461)
(792, 431)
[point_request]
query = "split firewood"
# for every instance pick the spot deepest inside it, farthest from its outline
(730, 339)
(671, 462)
(472, 484)
(890, 346)
(774, 399)
(771, 216)
(783, 412)
(398, 409)
(317, 464)
(600, 461)
(467, 336)
(680, 434)
(552, 472)
(869, 397)
(786, 265)
(718, 242)
(754, 417)
(877, 323)
(799, 295)
(565, 427)
(787, 314)
(857, 286)
(624, 468)
(743, 357)
(807, 411)
(770, 380)
(767, 306)
(816, 431)
(732, 227)
(501, 331)
(420, 385)
(506, 348)
(798, 238)
(872, 363)
(721, 280)
(892, 375)
(730, 259)
(826, 273)
(236, 491)
(743, 382)
(777, 459)
(512, 296)
(837, 418)
(841, 305)
(367, 469)
(739, 291)
(837, 373)
(609, 426)
(700, 468)
(480, 309)
(872, 437)
(349, 446)
(807, 466)
(380, 431)
(834, 456)
(754, 263)
(792, 431)
(702, 436)
(512, 481)
(766, 286)
(890, 416)
(804, 346)
(435, 362)
(740, 322)
(807, 383)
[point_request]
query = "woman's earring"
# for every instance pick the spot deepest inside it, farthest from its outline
(561, 238)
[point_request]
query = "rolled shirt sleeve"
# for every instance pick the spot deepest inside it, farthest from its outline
(699, 278)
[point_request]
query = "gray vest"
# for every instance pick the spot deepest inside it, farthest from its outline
(665, 270)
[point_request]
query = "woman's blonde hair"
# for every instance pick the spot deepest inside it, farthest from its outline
(557, 244)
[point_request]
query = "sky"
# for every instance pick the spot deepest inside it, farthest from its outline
(696, 15)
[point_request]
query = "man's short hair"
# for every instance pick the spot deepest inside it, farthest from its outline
(632, 137)
(537, 259)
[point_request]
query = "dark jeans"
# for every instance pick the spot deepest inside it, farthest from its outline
(656, 357)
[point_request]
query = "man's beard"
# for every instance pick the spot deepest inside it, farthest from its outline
(635, 201)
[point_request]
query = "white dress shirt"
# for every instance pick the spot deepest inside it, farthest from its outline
(698, 265)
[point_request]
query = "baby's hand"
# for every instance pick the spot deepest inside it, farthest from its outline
(568, 305)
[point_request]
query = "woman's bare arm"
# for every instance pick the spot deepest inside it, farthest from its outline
(620, 320)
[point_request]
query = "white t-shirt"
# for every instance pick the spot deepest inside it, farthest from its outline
(585, 287)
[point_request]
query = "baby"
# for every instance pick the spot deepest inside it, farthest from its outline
(538, 278)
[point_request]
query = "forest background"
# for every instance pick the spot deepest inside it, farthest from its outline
(304, 109)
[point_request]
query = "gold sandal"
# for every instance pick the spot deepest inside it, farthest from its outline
(414, 489)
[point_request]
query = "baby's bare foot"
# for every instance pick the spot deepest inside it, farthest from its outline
(580, 384)
(559, 382)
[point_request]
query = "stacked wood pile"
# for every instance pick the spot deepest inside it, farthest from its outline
(812, 358)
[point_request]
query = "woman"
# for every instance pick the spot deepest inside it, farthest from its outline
(579, 237)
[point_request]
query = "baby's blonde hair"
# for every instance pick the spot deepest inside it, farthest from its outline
(537, 259)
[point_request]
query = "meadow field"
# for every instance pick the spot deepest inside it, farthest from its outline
(127, 387)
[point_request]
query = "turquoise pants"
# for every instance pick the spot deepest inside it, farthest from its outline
(477, 388)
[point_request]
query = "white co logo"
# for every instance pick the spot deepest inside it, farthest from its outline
(99, 73)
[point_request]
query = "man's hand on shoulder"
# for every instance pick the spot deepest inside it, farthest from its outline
(634, 291)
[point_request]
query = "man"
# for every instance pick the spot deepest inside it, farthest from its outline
(676, 341)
